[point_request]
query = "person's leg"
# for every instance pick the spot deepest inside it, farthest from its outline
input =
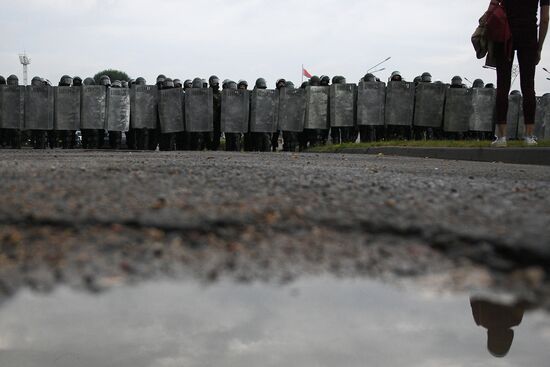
(527, 58)
(504, 81)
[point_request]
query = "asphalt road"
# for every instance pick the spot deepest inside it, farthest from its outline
(91, 217)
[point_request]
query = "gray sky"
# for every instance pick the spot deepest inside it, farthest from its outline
(243, 39)
(312, 322)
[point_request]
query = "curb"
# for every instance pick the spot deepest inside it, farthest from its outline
(531, 156)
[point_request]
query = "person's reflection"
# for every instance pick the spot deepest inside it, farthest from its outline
(499, 320)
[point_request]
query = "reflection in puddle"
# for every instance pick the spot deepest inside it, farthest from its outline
(312, 322)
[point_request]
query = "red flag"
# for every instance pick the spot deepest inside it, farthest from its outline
(305, 73)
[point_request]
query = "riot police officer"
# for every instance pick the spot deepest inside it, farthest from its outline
(262, 141)
(167, 139)
(196, 140)
(290, 138)
(396, 77)
(187, 84)
(140, 136)
(13, 136)
(478, 83)
(280, 84)
(248, 138)
(38, 137)
(67, 136)
(213, 138)
(456, 82)
(426, 77)
(154, 134)
(232, 140)
(115, 137)
(99, 139)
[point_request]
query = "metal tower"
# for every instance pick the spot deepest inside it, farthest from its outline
(25, 61)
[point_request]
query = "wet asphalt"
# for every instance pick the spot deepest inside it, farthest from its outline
(96, 218)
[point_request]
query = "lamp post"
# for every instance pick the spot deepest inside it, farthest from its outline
(25, 61)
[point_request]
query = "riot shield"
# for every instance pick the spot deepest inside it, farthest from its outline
(545, 104)
(118, 109)
(12, 107)
(199, 110)
(292, 109)
(458, 110)
(39, 103)
(539, 119)
(400, 103)
(235, 111)
(371, 103)
(171, 110)
(93, 107)
(342, 105)
(514, 115)
(429, 105)
(67, 108)
(317, 108)
(143, 106)
(264, 110)
(483, 109)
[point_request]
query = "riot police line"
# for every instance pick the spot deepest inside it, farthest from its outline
(194, 114)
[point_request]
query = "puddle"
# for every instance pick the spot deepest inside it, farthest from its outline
(320, 321)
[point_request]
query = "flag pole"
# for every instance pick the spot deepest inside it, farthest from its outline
(302, 72)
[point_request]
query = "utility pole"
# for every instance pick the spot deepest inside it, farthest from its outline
(25, 61)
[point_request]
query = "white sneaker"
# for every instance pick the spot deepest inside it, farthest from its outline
(499, 143)
(530, 141)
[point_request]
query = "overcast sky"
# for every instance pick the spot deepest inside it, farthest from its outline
(244, 39)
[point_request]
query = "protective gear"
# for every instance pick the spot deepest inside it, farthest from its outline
(243, 84)
(456, 82)
(490, 86)
(396, 77)
(281, 83)
(105, 81)
(187, 84)
(338, 80)
(426, 77)
(232, 85)
(369, 78)
(124, 84)
(261, 84)
(65, 81)
(289, 85)
(224, 83)
(13, 80)
(214, 82)
(325, 81)
(2, 80)
(399, 104)
(77, 81)
(314, 81)
(204, 83)
(483, 109)
(478, 83)
(37, 81)
(304, 85)
(141, 81)
(417, 80)
(199, 109)
(89, 81)
(177, 83)
(429, 104)
(458, 109)
(197, 83)
(168, 84)
(160, 80)
(515, 93)
(117, 84)
(317, 108)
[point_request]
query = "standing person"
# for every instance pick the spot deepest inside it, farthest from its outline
(522, 17)
(213, 138)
